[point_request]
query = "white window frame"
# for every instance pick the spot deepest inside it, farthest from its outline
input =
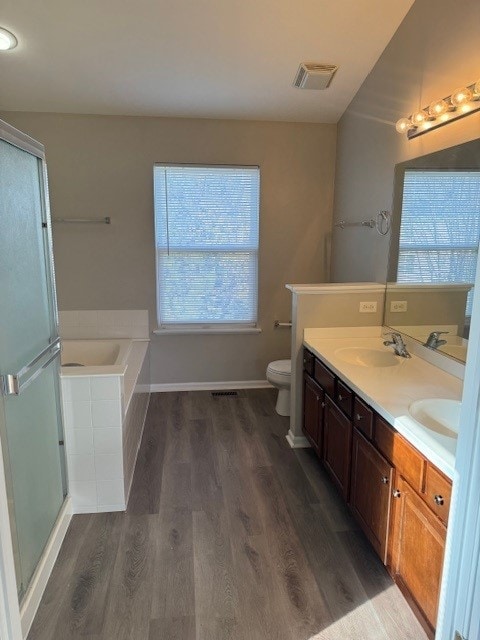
(206, 327)
(431, 248)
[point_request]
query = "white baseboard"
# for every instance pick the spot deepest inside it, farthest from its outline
(142, 388)
(210, 386)
(297, 442)
(44, 568)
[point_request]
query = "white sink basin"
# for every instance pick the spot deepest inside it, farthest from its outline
(367, 357)
(438, 414)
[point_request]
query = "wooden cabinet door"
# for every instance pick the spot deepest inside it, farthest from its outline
(313, 403)
(370, 492)
(337, 445)
(418, 545)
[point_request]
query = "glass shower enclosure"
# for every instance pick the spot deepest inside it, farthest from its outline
(30, 416)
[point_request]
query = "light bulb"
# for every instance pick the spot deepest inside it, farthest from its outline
(437, 108)
(461, 96)
(418, 118)
(403, 125)
(7, 40)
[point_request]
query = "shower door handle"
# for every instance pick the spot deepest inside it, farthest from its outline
(12, 384)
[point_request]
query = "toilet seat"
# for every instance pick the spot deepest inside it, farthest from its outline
(280, 367)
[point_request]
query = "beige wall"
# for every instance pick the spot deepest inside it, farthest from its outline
(434, 51)
(427, 307)
(102, 165)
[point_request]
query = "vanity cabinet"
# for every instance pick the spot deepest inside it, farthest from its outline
(400, 499)
(327, 423)
(337, 446)
(371, 492)
(313, 405)
(417, 549)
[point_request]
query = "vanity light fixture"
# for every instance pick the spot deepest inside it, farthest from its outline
(7, 40)
(461, 102)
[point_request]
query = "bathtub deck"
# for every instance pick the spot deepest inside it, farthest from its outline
(229, 534)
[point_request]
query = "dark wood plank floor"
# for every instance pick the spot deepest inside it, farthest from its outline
(229, 534)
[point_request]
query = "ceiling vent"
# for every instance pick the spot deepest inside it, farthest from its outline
(314, 76)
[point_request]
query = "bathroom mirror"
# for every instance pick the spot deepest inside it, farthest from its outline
(434, 248)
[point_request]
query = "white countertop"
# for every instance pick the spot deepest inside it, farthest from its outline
(391, 390)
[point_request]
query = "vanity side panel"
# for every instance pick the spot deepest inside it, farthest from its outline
(133, 426)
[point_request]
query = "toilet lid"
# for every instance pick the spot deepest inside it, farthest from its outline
(283, 367)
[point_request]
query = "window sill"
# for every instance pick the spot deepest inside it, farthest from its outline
(206, 331)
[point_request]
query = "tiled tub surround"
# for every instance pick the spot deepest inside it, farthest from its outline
(104, 411)
(391, 390)
(102, 324)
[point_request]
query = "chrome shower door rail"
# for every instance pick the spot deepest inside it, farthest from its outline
(12, 384)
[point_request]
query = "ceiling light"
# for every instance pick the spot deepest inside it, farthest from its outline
(437, 108)
(403, 125)
(461, 96)
(418, 118)
(461, 102)
(7, 40)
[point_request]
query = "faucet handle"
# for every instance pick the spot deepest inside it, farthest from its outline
(433, 341)
(391, 334)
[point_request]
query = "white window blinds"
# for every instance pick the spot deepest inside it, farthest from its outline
(440, 227)
(206, 230)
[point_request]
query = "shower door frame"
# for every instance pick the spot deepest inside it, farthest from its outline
(10, 620)
(15, 618)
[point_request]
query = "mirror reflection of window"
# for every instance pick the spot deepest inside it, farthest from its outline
(440, 227)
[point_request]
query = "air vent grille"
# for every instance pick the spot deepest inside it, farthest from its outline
(312, 75)
(224, 393)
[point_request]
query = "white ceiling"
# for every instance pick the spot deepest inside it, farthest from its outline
(190, 58)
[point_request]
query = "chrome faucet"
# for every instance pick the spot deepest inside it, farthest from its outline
(433, 341)
(398, 345)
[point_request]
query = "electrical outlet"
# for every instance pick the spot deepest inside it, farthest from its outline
(398, 306)
(368, 307)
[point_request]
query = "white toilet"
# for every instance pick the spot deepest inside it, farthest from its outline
(278, 374)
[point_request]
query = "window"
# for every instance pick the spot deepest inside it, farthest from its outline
(206, 234)
(440, 227)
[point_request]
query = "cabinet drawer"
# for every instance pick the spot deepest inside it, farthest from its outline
(438, 490)
(363, 417)
(325, 378)
(344, 398)
(308, 362)
(408, 462)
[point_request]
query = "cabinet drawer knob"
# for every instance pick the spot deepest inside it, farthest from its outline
(323, 405)
(396, 493)
(439, 500)
(384, 480)
(358, 417)
(340, 397)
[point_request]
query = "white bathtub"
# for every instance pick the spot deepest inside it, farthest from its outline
(93, 357)
(105, 398)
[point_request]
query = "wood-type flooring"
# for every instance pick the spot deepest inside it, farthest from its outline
(229, 535)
